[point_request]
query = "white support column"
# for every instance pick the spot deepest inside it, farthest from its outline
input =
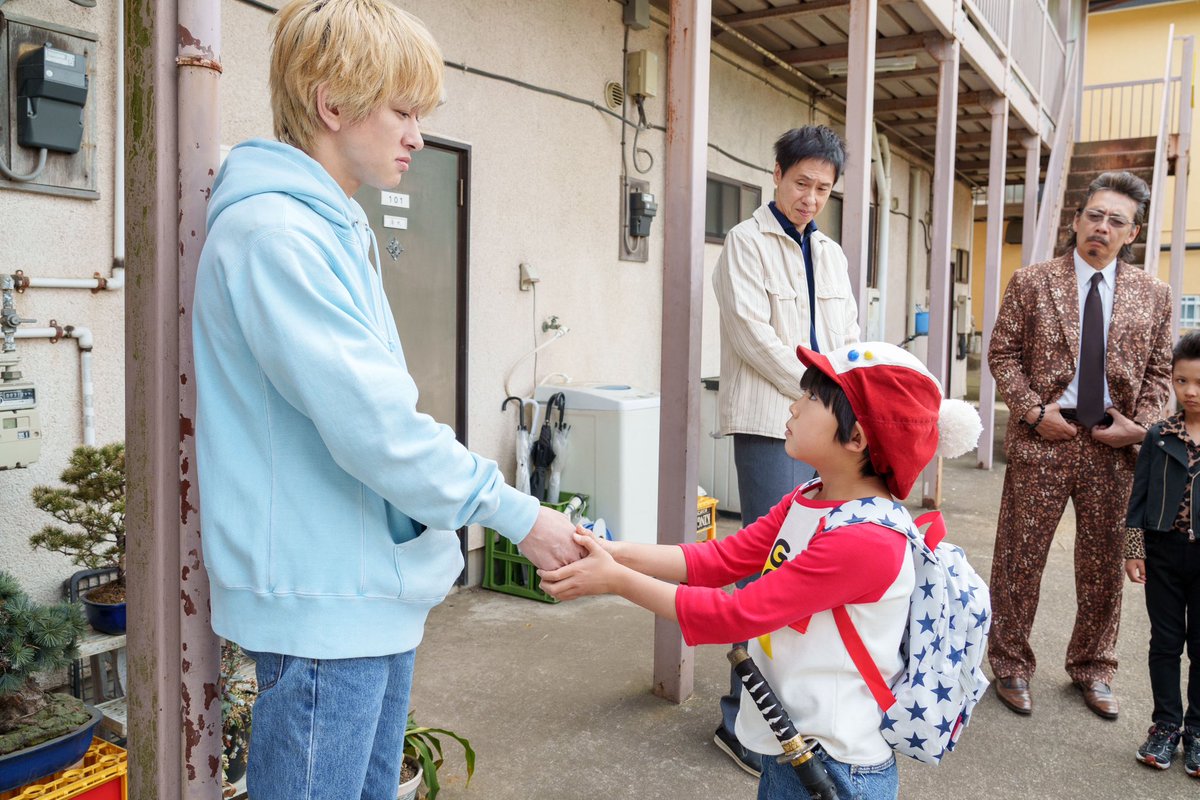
(1033, 174)
(991, 280)
(938, 359)
(856, 183)
(1179, 222)
(683, 273)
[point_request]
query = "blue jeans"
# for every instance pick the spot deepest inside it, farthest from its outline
(765, 474)
(328, 729)
(875, 782)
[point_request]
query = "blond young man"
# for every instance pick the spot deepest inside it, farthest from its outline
(330, 504)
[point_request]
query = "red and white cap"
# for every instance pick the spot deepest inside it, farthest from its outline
(900, 407)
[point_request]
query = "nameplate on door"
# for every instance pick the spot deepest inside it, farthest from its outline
(400, 223)
(393, 199)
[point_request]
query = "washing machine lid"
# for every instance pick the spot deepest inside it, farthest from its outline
(599, 396)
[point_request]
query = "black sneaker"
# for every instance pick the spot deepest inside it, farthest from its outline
(730, 746)
(1160, 746)
(1191, 752)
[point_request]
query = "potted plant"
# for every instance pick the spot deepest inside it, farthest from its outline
(93, 504)
(423, 757)
(40, 733)
(237, 702)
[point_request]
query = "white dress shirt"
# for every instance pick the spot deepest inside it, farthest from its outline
(1083, 281)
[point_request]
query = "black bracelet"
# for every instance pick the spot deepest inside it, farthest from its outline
(1041, 416)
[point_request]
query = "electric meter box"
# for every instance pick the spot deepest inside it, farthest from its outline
(613, 454)
(20, 426)
(52, 91)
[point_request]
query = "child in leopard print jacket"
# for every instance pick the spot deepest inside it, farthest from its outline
(1162, 552)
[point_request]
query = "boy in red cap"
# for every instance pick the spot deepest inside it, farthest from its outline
(868, 420)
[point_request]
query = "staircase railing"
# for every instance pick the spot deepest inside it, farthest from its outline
(1124, 110)
(1154, 218)
(1056, 171)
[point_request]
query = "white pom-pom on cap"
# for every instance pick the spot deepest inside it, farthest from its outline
(959, 427)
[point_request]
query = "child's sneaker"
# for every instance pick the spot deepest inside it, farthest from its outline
(1160, 747)
(1191, 752)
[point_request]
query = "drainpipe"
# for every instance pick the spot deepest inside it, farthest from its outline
(198, 137)
(914, 292)
(83, 338)
(881, 164)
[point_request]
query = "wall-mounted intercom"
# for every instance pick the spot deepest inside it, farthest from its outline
(47, 123)
(20, 423)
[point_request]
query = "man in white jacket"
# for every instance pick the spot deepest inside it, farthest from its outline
(780, 283)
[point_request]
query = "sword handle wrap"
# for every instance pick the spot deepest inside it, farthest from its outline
(768, 704)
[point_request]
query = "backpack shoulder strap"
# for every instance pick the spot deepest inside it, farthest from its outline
(937, 528)
(862, 659)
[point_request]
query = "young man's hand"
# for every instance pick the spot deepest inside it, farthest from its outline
(551, 544)
(598, 573)
(1135, 568)
(1121, 433)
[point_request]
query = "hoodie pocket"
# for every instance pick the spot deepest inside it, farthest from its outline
(428, 565)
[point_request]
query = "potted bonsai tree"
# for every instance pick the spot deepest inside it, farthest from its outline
(40, 733)
(423, 757)
(237, 702)
(93, 506)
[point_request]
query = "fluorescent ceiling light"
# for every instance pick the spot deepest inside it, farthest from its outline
(885, 64)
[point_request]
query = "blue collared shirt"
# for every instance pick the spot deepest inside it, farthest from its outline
(804, 240)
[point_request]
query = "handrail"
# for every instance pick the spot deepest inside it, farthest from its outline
(1118, 110)
(1154, 218)
(1056, 170)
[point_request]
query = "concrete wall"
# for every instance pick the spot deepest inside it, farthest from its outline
(545, 180)
(50, 236)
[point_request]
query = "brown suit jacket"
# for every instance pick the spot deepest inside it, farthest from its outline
(1035, 344)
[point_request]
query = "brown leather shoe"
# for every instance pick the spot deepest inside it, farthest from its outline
(1098, 696)
(1014, 693)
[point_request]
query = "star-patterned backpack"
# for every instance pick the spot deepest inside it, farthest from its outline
(949, 616)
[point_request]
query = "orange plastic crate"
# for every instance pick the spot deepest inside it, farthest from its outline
(102, 776)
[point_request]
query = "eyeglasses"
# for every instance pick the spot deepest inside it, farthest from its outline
(1095, 216)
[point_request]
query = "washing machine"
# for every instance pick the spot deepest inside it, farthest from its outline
(613, 455)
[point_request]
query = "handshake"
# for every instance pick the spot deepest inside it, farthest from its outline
(571, 561)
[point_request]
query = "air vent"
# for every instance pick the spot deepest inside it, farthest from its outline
(614, 95)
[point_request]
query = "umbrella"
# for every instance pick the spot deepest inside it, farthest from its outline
(541, 455)
(560, 440)
(521, 479)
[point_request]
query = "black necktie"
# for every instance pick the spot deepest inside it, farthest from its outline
(1089, 409)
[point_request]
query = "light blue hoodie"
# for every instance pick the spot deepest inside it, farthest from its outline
(328, 503)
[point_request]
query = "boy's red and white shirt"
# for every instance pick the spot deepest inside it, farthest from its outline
(787, 618)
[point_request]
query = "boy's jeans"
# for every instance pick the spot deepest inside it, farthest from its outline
(328, 729)
(875, 782)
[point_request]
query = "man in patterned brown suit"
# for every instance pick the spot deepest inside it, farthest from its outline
(1081, 353)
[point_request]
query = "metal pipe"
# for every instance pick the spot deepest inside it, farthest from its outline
(197, 112)
(83, 338)
(1182, 160)
(1153, 220)
(916, 250)
(992, 267)
(881, 165)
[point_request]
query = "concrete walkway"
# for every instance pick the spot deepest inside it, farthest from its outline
(556, 699)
